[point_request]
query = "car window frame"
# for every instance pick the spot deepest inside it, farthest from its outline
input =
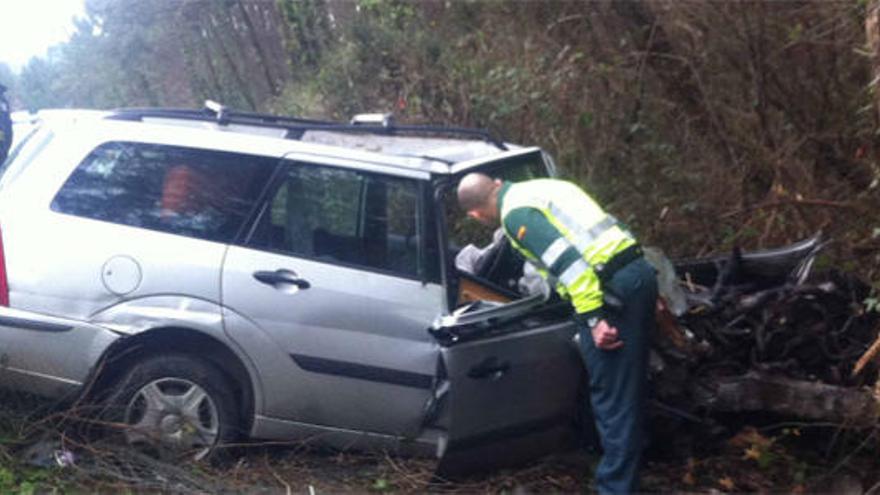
(422, 190)
(442, 186)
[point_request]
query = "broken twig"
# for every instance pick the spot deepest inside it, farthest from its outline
(869, 355)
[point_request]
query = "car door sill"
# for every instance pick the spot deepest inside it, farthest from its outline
(429, 443)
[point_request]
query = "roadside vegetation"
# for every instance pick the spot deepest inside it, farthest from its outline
(703, 125)
(42, 450)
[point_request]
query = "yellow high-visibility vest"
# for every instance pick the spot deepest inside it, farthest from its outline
(581, 223)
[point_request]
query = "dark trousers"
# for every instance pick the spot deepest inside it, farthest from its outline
(618, 378)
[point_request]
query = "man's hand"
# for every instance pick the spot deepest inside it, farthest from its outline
(605, 336)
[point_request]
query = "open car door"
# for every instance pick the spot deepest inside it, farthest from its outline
(514, 377)
(512, 368)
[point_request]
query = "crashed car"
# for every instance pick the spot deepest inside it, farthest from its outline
(206, 275)
(199, 276)
(760, 332)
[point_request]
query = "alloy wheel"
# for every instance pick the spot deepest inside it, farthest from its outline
(172, 416)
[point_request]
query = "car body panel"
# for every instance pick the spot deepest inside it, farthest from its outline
(358, 333)
(137, 315)
(512, 395)
(46, 355)
(515, 367)
(42, 281)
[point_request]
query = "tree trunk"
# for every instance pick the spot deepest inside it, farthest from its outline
(230, 62)
(202, 44)
(263, 60)
(872, 35)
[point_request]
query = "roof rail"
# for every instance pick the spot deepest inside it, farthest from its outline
(296, 126)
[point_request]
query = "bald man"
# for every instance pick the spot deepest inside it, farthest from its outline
(596, 264)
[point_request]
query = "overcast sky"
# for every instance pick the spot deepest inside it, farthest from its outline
(29, 27)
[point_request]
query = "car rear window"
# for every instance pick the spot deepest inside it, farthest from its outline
(186, 191)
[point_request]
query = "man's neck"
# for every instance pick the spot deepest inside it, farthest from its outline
(499, 196)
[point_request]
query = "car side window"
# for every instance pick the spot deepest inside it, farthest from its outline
(339, 215)
(186, 191)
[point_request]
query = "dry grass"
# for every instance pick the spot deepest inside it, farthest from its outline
(791, 457)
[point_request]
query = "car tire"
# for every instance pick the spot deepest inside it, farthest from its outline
(175, 407)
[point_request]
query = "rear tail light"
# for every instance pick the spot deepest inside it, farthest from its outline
(4, 283)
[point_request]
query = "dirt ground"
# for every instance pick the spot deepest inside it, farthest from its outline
(791, 459)
(794, 459)
(740, 454)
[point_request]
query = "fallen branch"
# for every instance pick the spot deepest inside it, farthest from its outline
(855, 407)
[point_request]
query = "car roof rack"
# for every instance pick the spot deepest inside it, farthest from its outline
(295, 126)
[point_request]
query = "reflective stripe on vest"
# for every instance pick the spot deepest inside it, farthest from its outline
(554, 251)
(583, 227)
(574, 272)
(584, 236)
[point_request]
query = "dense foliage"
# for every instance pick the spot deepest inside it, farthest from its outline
(703, 124)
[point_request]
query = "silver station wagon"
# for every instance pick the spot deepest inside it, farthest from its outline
(215, 275)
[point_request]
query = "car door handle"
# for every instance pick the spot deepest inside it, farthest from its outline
(490, 368)
(281, 276)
